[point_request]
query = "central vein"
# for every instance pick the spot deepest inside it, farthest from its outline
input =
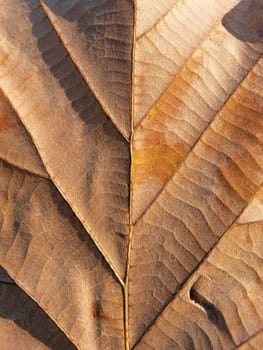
(126, 284)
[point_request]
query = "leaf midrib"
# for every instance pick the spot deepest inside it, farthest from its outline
(126, 281)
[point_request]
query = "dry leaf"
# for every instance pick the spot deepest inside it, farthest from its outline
(131, 146)
(23, 325)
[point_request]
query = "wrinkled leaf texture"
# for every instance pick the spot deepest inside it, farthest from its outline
(131, 173)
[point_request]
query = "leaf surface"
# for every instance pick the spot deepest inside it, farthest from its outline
(254, 343)
(131, 173)
(170, 42)
(84, 154)
(149, 13)
(98, 37)
(207, 312)
(212, 186)
(47, 252)
(22, 323)
(186, 108)
(16, 146)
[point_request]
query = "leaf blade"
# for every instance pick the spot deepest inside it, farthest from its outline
(212, 187)
(55, 262)
(208, 304)
(149, 13)
(170, 48)
(188, 105)
(90, 167)
(22, 323)
(16, 147)
(98, 38)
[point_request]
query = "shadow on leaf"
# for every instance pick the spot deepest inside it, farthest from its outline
(17, 307)
(245, 21)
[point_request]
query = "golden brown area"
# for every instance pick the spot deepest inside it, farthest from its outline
(157, 153)
(260, 195)
(97, 311)
(156, 160)
(6, 122)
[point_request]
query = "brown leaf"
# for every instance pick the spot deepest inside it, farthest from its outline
(22, 323)
(253, 343)
(204, 197)
(48, 253)
(220, 307)
(131, 143)
(98, 37)
(16, 146)
(84, 154)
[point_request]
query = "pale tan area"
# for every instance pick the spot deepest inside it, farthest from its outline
(149, 12)
(254, 212)
(161, 52)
